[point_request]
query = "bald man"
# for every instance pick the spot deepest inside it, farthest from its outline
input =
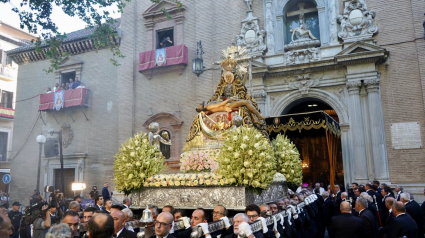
(346, 225)
(403, 224)
(163, 225)
(101, 225)
(119, 222)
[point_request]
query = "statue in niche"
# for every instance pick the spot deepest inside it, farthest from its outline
(156, 138)
(249, 4)
(302, 32)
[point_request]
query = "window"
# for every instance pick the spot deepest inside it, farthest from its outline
(3, 145)
(311, 22)
(66, 76)
(4, 59)
(6, 99)
(165, 149)
(164, 38)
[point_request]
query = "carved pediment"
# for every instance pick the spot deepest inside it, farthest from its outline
(362, 52)
(68, 61)
(156, 9)
(360, 47)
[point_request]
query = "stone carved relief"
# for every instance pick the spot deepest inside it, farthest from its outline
(302, 56)
(340, 93)
(251, 36)
(304, 82)
(259, 94)
(67, 135)
(356, 20)
(80, 166)
(332, 19)
(269, 26)
(184, 197)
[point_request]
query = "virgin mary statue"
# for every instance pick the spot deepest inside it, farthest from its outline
(231, 97)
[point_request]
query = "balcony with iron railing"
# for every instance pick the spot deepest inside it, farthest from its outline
(7, 72)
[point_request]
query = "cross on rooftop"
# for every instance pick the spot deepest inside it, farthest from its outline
(301, 10)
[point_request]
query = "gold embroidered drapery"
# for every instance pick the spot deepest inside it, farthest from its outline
(317, 122)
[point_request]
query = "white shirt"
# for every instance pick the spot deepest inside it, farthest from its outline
(400, 214)
(119, 232)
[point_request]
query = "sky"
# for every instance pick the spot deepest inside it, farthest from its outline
(64, 22)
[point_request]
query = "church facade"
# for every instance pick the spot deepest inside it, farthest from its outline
(362, 59)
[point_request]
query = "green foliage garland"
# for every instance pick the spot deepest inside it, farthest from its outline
(135, 161)
(246, 159)
(288, 159)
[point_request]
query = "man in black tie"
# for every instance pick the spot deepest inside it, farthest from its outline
(163, 225)
(346, 225)
(99, 203)
(403, 224)
(369, 222)
(327, 209)
(389, 206)
(414, 210)
(398, 190)
(126, 202)
(119, 222)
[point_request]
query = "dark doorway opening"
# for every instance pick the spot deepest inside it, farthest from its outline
(312, 144)
(69, 178)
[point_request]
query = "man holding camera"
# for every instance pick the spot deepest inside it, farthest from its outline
(42, 224)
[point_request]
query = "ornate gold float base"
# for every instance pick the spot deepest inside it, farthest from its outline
(235, 198)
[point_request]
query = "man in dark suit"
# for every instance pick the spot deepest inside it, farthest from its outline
(240, 223)
(327, 209)
(99, 203)
(163, 225)
(337, 200)
(369, 222)
(105, 192)
(414, 210)
(119, 228)
(199, 218)
(389, 206)
(126, 202)
(398, 189)
(403, 224)
(101, 225)
(346, 225)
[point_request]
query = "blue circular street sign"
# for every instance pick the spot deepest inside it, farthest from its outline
(6, 178)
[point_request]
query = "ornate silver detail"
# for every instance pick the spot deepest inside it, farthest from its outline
(251, 36)
(67, 135)
(256, 226)
(357, 21)
(207, 197)
(304, 83)
(302, 56)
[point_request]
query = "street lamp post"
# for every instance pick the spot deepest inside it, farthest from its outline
(41, 139)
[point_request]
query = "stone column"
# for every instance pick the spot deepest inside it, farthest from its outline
(346, 152)
(269, 27)
(377, 131)
(324, 34)
(357, 132)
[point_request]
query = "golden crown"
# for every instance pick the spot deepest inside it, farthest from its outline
(229, 64)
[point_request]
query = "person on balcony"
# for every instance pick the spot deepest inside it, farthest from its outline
(56, 87)
(49, 90)
(76, 84)
(71, 83)
(63, 87)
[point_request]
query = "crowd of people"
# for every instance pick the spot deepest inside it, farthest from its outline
(370, 210)
(66, 86)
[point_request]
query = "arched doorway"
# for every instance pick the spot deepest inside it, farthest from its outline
(312, 144)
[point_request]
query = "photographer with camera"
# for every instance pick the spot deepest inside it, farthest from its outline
(36, 198)
(42, 224)
(94, 193)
